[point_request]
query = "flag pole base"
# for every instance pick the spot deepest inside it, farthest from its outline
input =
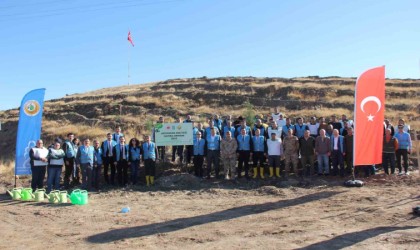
(354, 183)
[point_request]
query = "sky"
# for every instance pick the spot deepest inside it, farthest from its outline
(75, 46)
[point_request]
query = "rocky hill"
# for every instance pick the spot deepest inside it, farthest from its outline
(135, 107)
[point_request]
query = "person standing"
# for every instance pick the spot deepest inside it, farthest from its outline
(286, 127)
(274, 128)
(150, 153)
(117, 134)
(390, 146)
(178, 149)
(258, 150)
(228, 128)
(244, 152)
(213, 152)
(97, 164)
(161, 149)
(70, 154)
(134, 158)
(348, 140)
(189, 148)
(228, 148)
(121, 160)
(39, 160)
(404, 148)
(291, 150)
(338, 151)
(307, 152)
(273, 154)
(76, 166)
(85, 157)
(55, 165)
(300, 128)
(199, 154)
(108, 158)
(323, 152)
(313, 127)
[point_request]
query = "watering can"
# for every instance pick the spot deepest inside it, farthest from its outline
(39, 195)
(15, 193)
(75, 197)
(62, 197)
(53, 197)
(26, 194)
(83, 197)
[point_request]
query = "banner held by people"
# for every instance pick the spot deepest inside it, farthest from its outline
(369, 110)
(29, 129)
(173, 134)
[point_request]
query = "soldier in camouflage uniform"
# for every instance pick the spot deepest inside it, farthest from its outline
(291, 149)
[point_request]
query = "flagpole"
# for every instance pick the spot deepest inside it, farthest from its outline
(129, 56)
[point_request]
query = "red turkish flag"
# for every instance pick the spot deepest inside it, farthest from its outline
(369, 110)
(130, 39)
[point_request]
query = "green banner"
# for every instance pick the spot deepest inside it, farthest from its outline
(173, 134)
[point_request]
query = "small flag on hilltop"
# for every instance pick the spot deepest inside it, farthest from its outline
(369, 110)
(130, 39)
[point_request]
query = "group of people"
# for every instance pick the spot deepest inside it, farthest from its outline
(273, 143)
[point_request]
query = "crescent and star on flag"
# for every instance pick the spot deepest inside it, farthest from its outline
(370, 99)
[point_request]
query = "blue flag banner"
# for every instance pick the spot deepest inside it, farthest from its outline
(29, 129)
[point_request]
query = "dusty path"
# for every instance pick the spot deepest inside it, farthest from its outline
(224, 216)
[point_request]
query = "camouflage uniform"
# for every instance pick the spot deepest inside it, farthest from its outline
(228, 155)
(291, 149)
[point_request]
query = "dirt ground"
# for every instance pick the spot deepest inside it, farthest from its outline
(182, 212)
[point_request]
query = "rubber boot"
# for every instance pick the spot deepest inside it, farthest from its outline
(147, 180)
(278, 172)
(271, 172)
(262, 172)
(255, 173)
(152, 180)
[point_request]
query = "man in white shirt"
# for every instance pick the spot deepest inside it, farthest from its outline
(39, 162)
(274, 154)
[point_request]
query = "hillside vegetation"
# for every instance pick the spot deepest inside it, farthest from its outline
(136, 107)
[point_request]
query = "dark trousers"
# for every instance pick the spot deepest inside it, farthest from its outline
(307, 162)
(178, 150)
(190, 151)
(134, 170)
(150, 167)
(96, 176)
(243, 162)
(349, 162)
(68, 171)
(388, 159)
(213, 157)
(53, 178)
(258, 159)
(337, 159)
(198, 165)
(86, 170)
(109, 163)
(161, 152)
(404, 154)
(122, 172)
(38, 175)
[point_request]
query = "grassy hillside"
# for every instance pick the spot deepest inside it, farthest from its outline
(136, 107)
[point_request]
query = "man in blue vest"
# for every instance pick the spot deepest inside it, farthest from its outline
(189, 148)
(70, 154)
(108, 158)
(207, 131)
(161, 149)
(242, 126)
(244, 152)
(85, 157)
(178, 150)
(404, 148)
(285, 129)
(117, 134)
(213, 152)
(258, 149)
(300, 128)
(121, 160)
(338, 151)
(149, 158)
(199, 154)
(228, 128)
(260, 126)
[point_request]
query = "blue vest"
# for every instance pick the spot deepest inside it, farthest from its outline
(218, 123)
(86, 154)
(118, 152)
(340, 142)
(403, 140)
(195, 130)
(226, 129)
(300, 131)
(134, 153)
(215, 144)
(244, 142)
(105, 148)
(149, 152)
(208, 132)
(116, 137)
(285, 129)
(70, 153)
(258, 143)
(199, 146)
(97, 156)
